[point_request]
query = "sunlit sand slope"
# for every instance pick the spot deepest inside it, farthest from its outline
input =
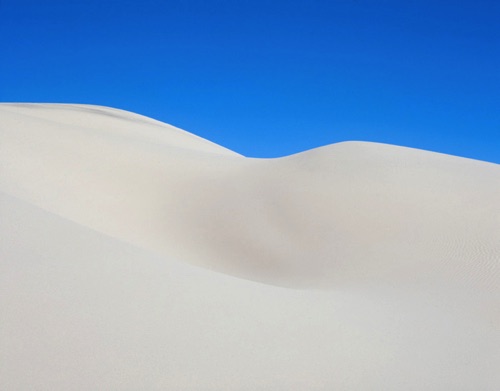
(135, 255)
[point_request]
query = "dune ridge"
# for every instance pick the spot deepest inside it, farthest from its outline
(355, 265)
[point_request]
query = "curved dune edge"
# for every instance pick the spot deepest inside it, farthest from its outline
(116, 223)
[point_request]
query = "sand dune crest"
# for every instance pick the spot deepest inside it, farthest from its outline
(136, 255)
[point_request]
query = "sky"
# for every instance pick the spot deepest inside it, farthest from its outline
(269, 78)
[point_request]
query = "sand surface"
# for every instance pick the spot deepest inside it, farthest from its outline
(137, 256)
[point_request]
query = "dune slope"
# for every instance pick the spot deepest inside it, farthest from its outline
(135, 255)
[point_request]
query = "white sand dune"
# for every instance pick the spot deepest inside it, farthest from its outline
(137, 256)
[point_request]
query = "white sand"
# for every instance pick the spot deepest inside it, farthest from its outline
(136, 256)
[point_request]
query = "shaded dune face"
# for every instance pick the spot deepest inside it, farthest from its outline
(348, 213)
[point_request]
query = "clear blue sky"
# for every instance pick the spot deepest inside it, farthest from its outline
(270, 78)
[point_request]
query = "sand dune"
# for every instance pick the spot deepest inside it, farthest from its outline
(135, 255)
